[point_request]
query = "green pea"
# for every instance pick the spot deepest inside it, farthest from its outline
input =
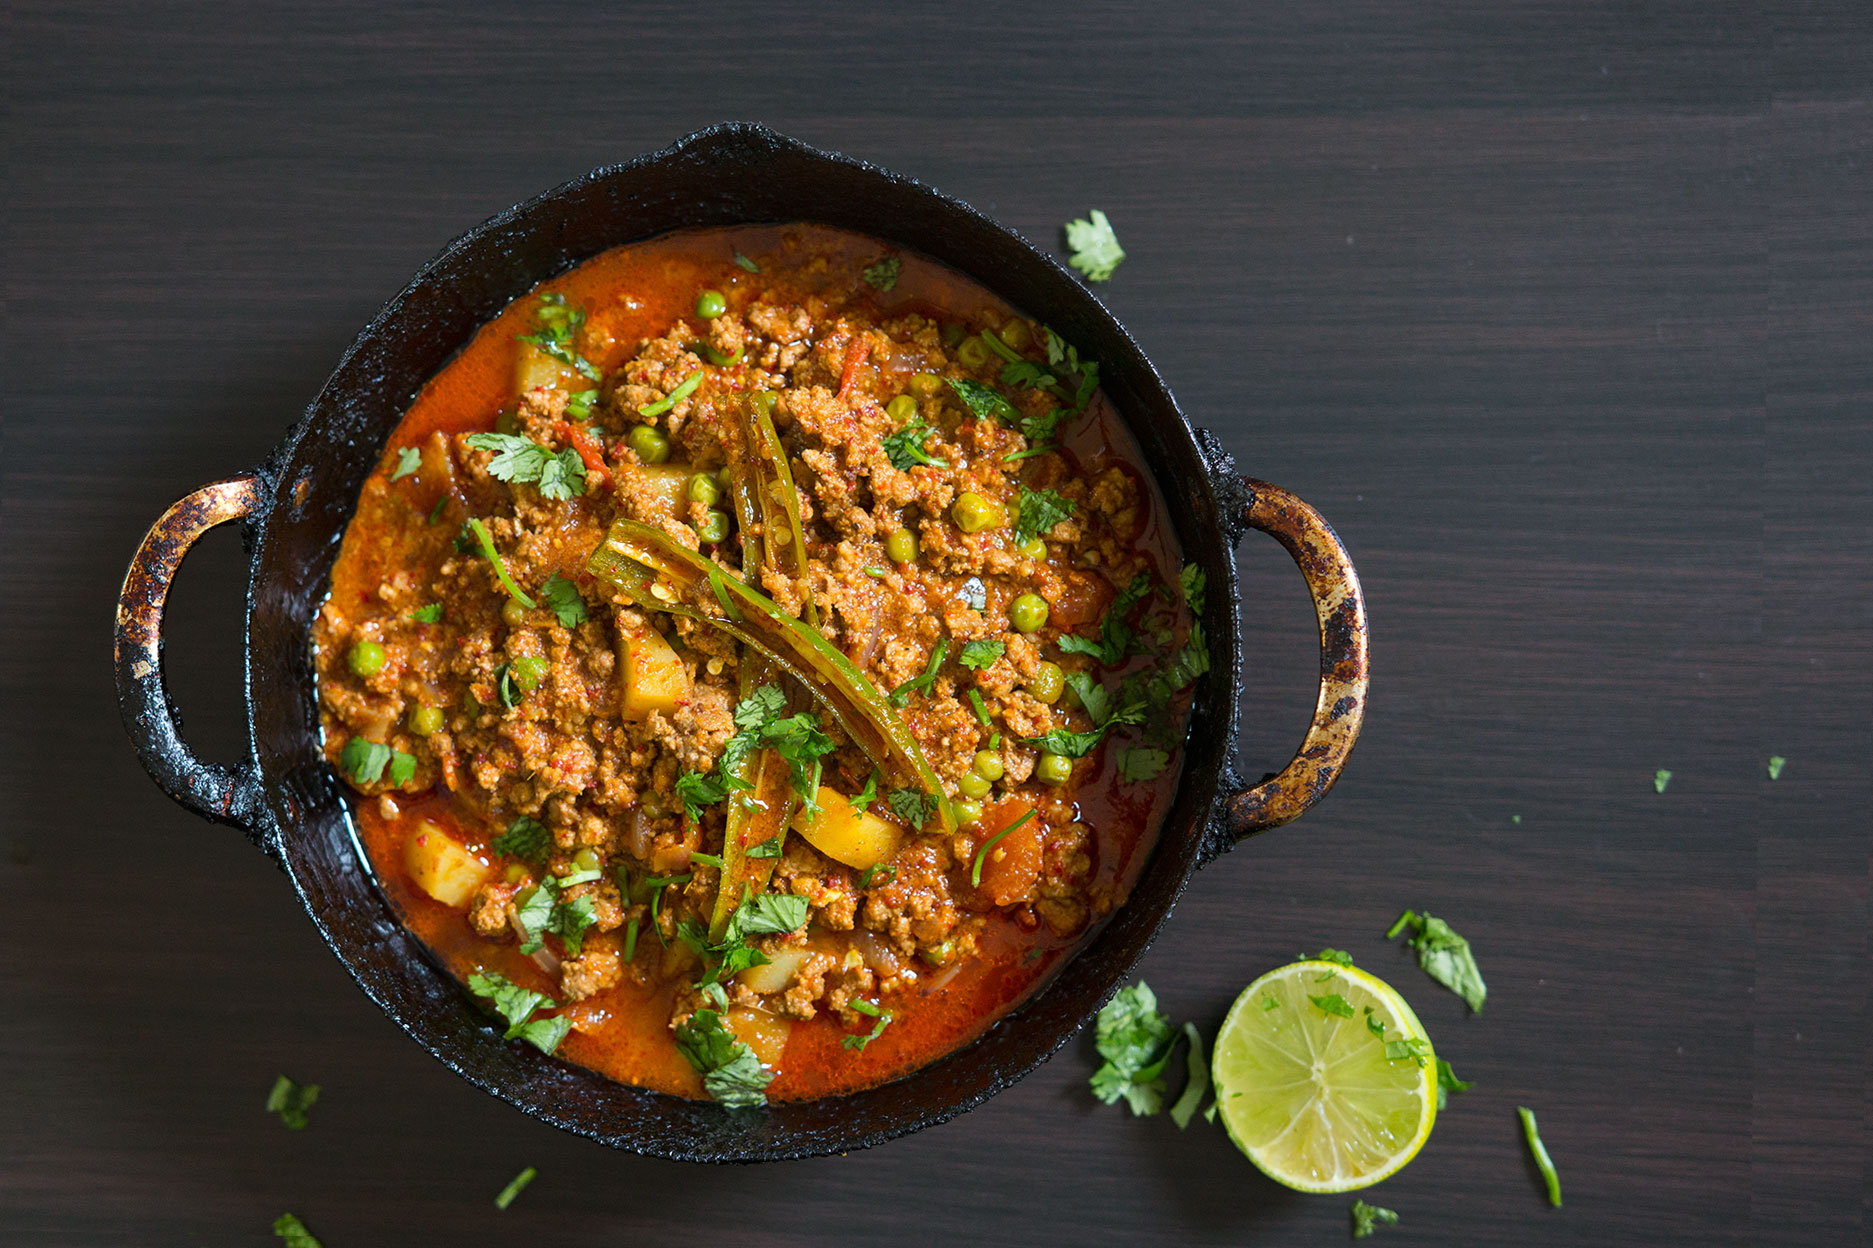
(1017, 334)
(988, 764)
(967, 812)
(926, 384)
(1028, 612)
(937, 955)
(710, 304)
(703, 489)
(974, 513)
(714, 526)
(953, 334)
(972, 353)
(649, 443)
(973, 785)
(1033, 548)
(507, 420)
(1047, 683)
(901, 547)
(901, 409)
(425, 720)
(515, 873)
(1053, 769)
(513, 614)
(367, 658)
(528, 671)
(586, 859)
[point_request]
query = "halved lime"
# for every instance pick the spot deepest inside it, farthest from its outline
(1324, 1077)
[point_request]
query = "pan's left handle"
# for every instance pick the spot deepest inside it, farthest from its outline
(224, 794)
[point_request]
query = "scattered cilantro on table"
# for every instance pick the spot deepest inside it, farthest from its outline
(1095, 248)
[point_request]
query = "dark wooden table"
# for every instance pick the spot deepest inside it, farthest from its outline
(1561, 312)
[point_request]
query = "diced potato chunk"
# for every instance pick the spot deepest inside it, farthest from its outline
(442, 868)
(534, 367)
(842, 832)
(655, 679)
(774, 976)
(667, 483)
(765, 1033)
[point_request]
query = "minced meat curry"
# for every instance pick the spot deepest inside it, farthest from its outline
(761, 658)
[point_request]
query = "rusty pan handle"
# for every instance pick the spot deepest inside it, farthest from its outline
(224, 794)
(1344, 662)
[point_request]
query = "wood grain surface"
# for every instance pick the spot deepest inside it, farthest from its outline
(1560, 311)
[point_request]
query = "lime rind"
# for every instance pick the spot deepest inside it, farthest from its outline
(1309, 1096)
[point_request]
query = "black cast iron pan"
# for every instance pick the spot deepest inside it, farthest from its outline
(294, 507)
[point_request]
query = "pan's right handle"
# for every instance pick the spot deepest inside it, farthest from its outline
(1345, 662)
(224, 794)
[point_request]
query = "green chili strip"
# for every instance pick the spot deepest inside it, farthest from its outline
(684, 389)
(975, 876)
(648, 565)
(723, 361)
(656, 884)
(1543, 1162)
(707, 860)
(486, 543)
(721, 594)
(630, 941)
(982, 712)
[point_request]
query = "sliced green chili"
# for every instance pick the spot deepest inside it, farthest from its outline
(684, 389)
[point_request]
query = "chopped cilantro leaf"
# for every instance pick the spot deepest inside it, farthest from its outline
(1191, 581)
(684, 389)
(1135, 1041)
(522, 461)
(294, 1232)
(1333, 1003)
(1139, 763)
(1368, 1218)
(1095, 248)
(981, 654)
(770, 848)
(1117, 640)
(1269, 1003)
(743, 262)
(1447, 1082)
(409, 459)
(796, 738)
(516, 1005)
(1776, 764)
(1196, 1079)
(292, 1101)
(1443, 955)
(1660, 779)
(478, 535)
(366, 761)
(562, 598)
(1040, 511)
(543, 910)
(515, 1187)
(911, 806)
(905, 448)
(427, 615)
(884, 1020)
(874, 871)
(983, 401)
(731, 1073)
(699, 790)
(882, 276)
(1337, 956)
(526, 839)
(1411, 1047)
(770, 912)
(900, 696)
(868, 794)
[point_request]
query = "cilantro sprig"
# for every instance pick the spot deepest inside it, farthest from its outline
(523, 461)
(367, 762)
(1136, 1041)
(905, 447)
(517, 1006)
(562, 598)
(1443, 955)
(556, 326)
(1094, 246)
(292, 1102)
(1039, 512)
(731, 1073)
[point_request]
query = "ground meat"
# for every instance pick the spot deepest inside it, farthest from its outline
(600, 719)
